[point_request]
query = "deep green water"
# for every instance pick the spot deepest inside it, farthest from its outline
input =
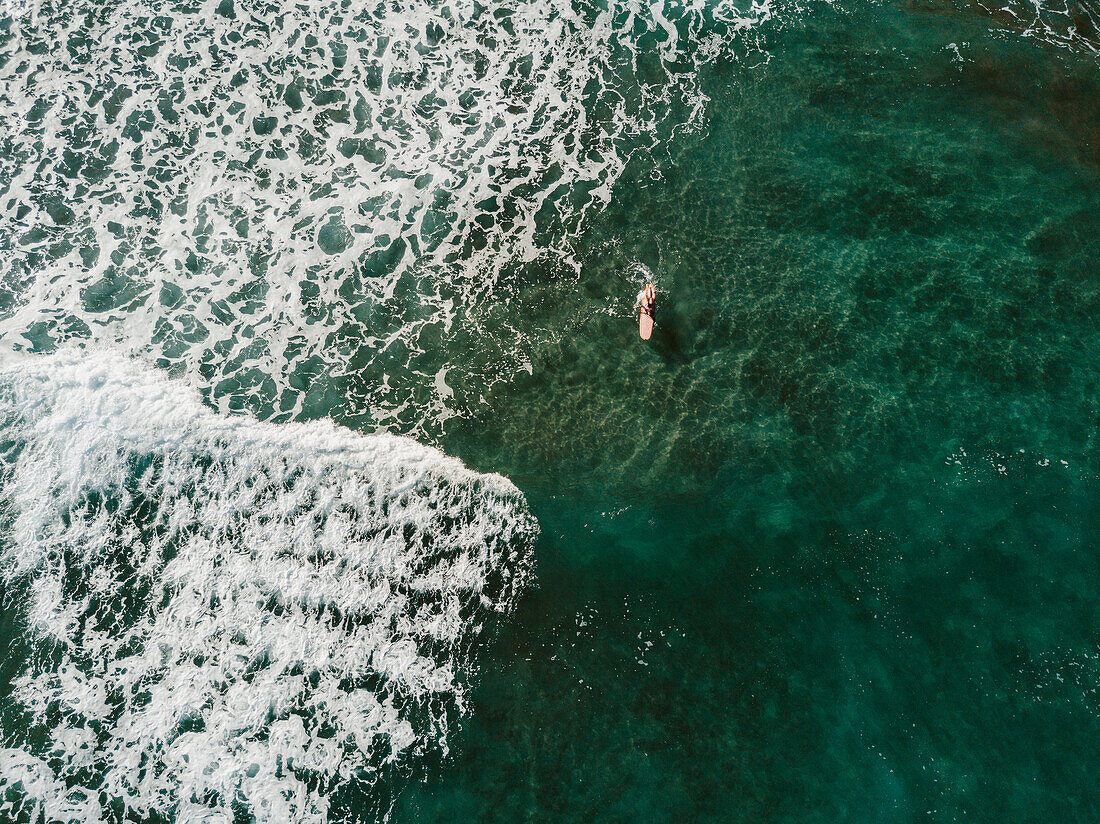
(827, 550)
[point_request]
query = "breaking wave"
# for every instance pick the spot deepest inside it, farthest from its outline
(286, 199)
(229, 617)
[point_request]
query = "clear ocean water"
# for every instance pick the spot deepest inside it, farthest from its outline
(335, 484)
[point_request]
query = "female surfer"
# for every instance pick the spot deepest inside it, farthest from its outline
(647, 299)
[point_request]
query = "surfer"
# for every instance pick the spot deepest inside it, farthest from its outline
(647, 304)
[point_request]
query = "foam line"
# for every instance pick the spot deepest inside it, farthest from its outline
(231, 614)
(256, 192)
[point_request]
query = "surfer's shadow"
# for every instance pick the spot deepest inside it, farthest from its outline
(668, 337)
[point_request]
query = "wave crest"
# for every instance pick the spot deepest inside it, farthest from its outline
(230, 615)
(273, 196)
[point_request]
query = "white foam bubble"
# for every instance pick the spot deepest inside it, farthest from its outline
(272, 196)
(1067, 24)
(231, 614)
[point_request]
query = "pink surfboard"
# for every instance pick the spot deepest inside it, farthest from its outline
(645, 319)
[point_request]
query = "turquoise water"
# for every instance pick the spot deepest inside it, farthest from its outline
(825, 550)
(850, 494)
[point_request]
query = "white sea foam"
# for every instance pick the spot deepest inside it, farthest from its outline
(276, 195)
(1067, 24)
(230, 615)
